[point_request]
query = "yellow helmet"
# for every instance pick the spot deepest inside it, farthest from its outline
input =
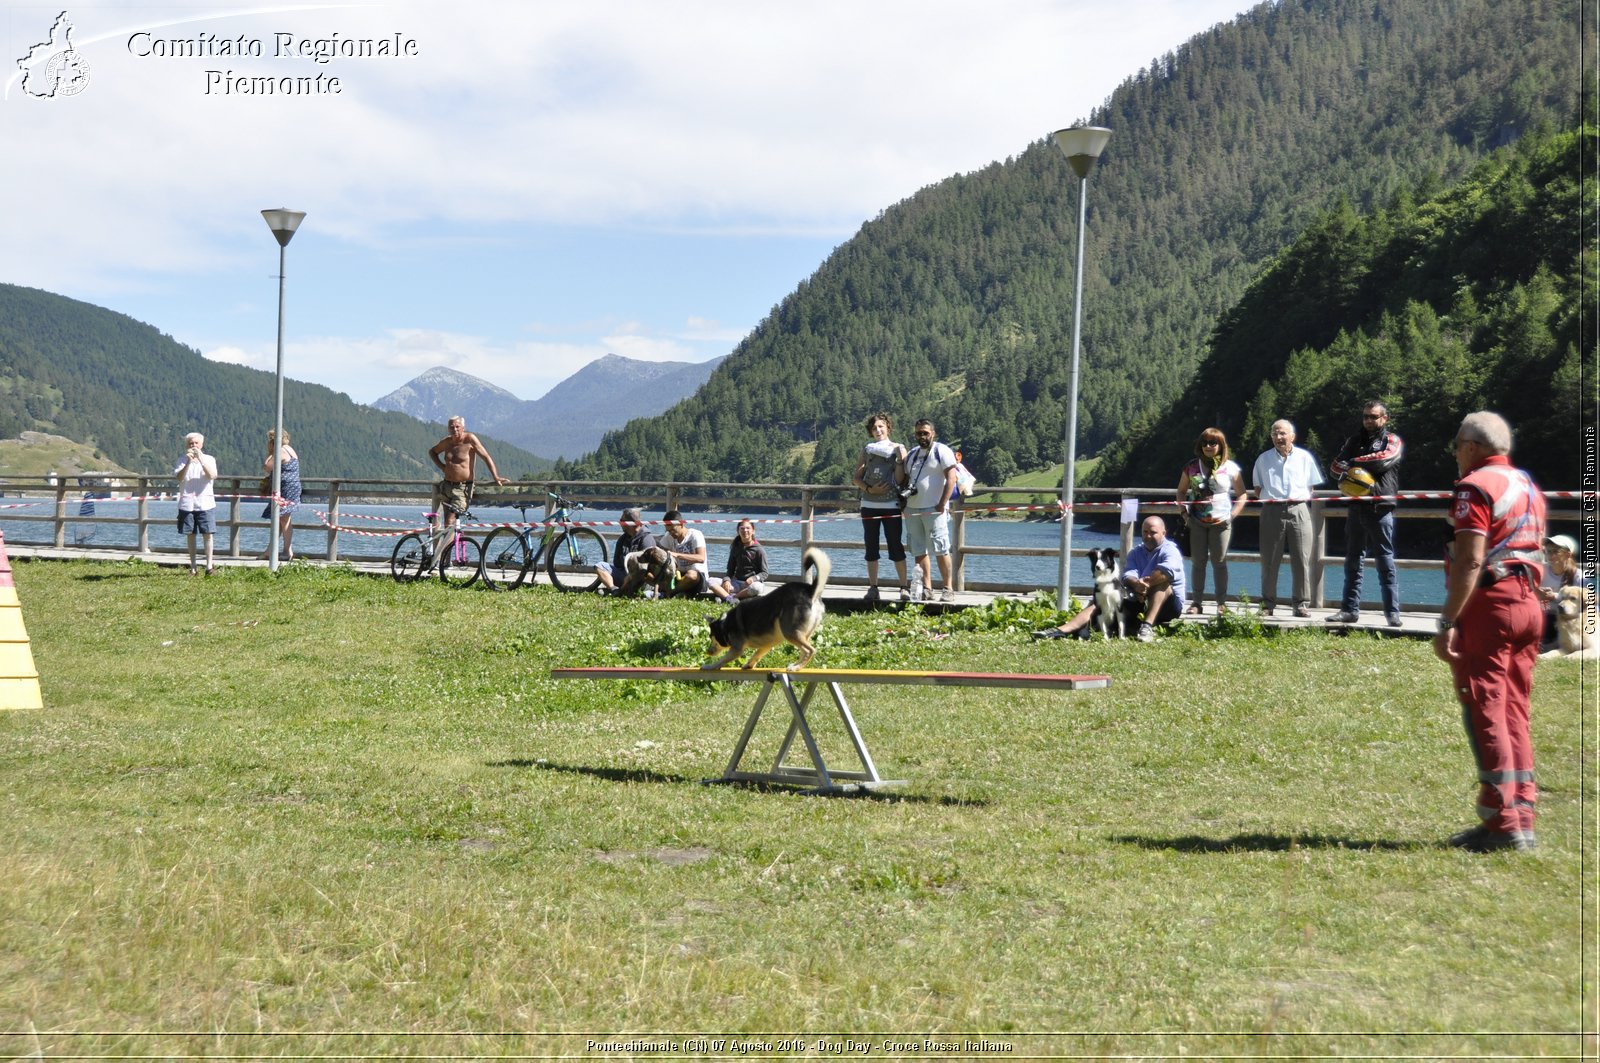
(1357, 483)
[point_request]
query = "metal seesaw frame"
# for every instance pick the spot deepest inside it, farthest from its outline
(817, 776)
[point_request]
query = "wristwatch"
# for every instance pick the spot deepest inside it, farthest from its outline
(1446, 625)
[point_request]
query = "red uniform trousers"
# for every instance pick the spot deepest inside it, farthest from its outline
(1498, 636)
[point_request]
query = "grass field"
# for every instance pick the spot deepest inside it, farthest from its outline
(325, 814)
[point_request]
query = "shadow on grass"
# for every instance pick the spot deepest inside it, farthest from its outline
(1266, 843)
(657, 649)
(608, 774)
(642, 775)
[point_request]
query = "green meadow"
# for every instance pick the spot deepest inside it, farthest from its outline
(325, 814)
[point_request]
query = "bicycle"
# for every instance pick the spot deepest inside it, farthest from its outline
(511, 555)
(458, 565)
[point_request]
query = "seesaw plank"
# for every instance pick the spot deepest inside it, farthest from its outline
(880, 677)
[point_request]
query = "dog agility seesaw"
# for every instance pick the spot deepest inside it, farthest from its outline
(817, 776)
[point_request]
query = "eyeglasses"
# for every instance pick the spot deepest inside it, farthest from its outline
(1210, 443)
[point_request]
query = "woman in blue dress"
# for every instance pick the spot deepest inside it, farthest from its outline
(288, 497)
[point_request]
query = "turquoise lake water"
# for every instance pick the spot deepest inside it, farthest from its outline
(383, 524)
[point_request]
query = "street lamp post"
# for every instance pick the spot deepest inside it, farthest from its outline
(283, 223)
(1082, 146)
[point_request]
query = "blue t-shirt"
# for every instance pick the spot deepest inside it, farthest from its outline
(1167, 557)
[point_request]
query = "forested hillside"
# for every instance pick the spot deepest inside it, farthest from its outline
(106, 380)
(956, 303)
(1467, 300)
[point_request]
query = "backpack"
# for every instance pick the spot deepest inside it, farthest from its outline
(878, 476)
(965, 481)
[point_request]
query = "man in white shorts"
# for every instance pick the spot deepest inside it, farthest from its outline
(931, 476)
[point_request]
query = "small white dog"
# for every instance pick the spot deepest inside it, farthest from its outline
(1107, 592)
(1575, 624)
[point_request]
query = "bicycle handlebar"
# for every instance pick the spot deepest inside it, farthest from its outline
(563, 503)
(522, 505)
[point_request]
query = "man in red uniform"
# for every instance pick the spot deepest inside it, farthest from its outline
(1490, 626)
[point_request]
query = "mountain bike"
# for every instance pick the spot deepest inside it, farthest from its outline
(458, 564)
(511, 555)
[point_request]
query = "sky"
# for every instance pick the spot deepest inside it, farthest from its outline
(511, 188)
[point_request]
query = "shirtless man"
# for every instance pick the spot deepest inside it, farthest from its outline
(455, 455)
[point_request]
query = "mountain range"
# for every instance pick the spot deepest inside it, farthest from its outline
(1319, 202)
(568, 421)
(130, 392)
(957, 303)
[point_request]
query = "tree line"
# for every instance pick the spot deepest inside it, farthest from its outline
(1468, 299)
(104, 379)
(956, 303)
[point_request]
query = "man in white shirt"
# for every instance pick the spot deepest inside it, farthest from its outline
(197, 502)
(688, 549)
(931, 476)
(1284, 478)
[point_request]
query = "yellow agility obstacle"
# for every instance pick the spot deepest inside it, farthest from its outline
(817, 775)
(19, 680)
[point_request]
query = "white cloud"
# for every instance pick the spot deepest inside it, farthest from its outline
(671, 116)
(705, 330)
(707, 112)
(238, 356)
(650, 348)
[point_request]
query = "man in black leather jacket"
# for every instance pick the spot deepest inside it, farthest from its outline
(1370, 524)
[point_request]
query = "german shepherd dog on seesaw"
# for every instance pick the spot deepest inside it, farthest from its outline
(792, 614)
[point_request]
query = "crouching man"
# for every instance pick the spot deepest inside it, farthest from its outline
(614, 575)
(1153, 588)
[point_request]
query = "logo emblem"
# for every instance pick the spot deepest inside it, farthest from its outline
(53, 67)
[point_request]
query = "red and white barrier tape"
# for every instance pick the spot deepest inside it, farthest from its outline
(1054, 507)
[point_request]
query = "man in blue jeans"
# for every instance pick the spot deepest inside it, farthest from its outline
(1369, 525)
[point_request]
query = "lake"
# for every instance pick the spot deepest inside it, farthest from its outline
(372, 531)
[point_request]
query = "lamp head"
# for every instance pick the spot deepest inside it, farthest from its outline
(1082, 145)
(283, 223)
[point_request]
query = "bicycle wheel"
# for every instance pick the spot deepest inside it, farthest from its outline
(461, 562)
(505, 559)
(410, 558)
(572, 558)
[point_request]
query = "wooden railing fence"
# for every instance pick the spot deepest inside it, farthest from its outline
(318, 522)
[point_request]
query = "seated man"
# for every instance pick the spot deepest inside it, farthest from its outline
(613, 574)
(688, 549)
(1153, 588)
